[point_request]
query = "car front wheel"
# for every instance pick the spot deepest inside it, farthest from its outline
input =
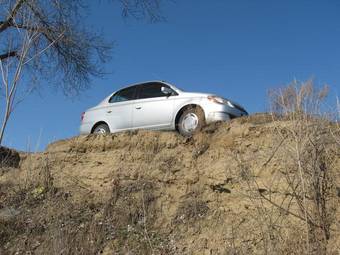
(191, 121)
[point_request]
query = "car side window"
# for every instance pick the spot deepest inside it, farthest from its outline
(124, 95)
(151, 90)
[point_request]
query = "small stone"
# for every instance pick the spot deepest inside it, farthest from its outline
(338, 191)
(262, 190)
(7, 214)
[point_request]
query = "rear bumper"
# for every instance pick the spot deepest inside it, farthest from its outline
(85, 128)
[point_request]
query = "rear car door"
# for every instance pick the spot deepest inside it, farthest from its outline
(119, 110)
(153, 109)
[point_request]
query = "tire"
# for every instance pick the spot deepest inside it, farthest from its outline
(101, 129)
(191, 121)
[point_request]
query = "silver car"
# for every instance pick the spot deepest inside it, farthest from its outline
(157, 105)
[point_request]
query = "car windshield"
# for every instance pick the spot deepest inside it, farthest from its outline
(177, 88)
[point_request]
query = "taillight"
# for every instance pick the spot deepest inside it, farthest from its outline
(82, 116)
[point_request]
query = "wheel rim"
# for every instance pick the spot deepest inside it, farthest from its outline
(190, 122)
(100, 130)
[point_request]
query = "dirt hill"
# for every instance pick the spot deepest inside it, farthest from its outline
(234, 188)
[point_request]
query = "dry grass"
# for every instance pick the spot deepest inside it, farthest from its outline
(50, 222)
(192, 209)
(298, 100)
(306, 181)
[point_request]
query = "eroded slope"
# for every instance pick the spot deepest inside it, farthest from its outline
(223, 191)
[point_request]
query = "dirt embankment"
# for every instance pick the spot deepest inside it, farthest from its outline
(224, 191)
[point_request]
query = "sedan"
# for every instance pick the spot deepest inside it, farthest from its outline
(157, 105)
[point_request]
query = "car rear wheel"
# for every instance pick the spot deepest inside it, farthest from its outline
(101, 129)
(191, 121)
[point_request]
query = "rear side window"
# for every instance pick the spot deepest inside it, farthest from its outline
(124, 95)
(151, 90)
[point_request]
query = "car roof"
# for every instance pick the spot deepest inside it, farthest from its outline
(145, 82)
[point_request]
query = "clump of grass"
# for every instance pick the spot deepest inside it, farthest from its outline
(191, 209)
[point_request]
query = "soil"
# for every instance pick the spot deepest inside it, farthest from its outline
(222, 191)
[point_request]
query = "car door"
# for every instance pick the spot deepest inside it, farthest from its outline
(119, 109)
(153, 109)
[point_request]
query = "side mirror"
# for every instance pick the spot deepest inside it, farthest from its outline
(166, 91)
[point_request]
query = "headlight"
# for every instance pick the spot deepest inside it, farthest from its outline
(220, 100)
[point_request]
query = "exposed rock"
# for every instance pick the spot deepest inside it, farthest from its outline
(220, 188)
(9, 157)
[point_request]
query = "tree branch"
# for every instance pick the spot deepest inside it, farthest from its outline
(9, 21)
(26, 27)
(8, 55)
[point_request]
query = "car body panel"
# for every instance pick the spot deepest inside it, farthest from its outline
(145, 115)
(156, 112)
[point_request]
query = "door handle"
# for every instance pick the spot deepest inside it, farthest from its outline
(109, 111)
(138, 107)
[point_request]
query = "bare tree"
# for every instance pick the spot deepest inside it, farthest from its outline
(142, 9)
(48, 40)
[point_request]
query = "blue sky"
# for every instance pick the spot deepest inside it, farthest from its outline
(237, 49)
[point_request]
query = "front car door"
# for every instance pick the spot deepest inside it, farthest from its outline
(153, 109)
(119, 110)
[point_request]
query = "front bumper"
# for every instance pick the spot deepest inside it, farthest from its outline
(220, 112)
(217, 116)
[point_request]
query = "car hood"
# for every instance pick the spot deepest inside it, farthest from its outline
(196, 94)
